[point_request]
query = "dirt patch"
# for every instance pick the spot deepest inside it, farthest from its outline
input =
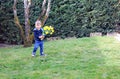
(5, 45)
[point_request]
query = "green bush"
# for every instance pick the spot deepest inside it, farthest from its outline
(69, 17)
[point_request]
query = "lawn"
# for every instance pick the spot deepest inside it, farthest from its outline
(84, 58)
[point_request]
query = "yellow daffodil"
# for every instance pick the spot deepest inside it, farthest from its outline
(45, 28)
(51, 33)
(52, 30)
(48, 30)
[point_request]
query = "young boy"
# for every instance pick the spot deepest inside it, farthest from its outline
(38, 37)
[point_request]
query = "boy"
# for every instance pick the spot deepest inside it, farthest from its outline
(38, 37)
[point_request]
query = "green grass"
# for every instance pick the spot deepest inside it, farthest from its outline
(85, 58)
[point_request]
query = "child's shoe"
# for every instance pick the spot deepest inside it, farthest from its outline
(33, 55)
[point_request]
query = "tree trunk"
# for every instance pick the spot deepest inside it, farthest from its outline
(16, 20)
(27, 38)
(28, 41)
(45, 12)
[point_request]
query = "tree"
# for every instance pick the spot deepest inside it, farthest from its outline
(26, 36)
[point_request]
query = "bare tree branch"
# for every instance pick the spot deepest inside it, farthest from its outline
(47, 12)
(29, 3)
(16, 20)
(48, 8)
(118, 3)
(43, 9)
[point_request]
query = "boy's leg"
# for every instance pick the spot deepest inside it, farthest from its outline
(41, 48)
(36, 45)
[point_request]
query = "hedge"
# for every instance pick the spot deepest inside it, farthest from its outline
(70, 18)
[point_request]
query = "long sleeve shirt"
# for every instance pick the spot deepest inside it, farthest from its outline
(38, 33)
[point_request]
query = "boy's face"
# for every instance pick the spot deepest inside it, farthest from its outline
(38, 25)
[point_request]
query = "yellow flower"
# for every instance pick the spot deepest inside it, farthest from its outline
(51, 33)
(46, 32)
(48, 28)
(51, 27)
(45, 28)
(52, 30)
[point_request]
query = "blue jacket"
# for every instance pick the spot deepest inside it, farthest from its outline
(38, 33)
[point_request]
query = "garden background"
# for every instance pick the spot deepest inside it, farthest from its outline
(70, 18)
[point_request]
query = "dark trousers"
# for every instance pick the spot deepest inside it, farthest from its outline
(36, 45)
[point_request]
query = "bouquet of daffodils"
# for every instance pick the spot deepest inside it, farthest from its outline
(48, 30)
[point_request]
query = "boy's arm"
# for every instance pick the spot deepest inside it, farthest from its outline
(36, 35)
(42, 36)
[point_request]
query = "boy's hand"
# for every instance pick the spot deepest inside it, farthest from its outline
(42, 37)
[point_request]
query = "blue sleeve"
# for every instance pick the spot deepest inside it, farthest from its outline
(36, 35)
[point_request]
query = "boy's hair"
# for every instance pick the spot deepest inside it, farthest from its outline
(38, 22)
